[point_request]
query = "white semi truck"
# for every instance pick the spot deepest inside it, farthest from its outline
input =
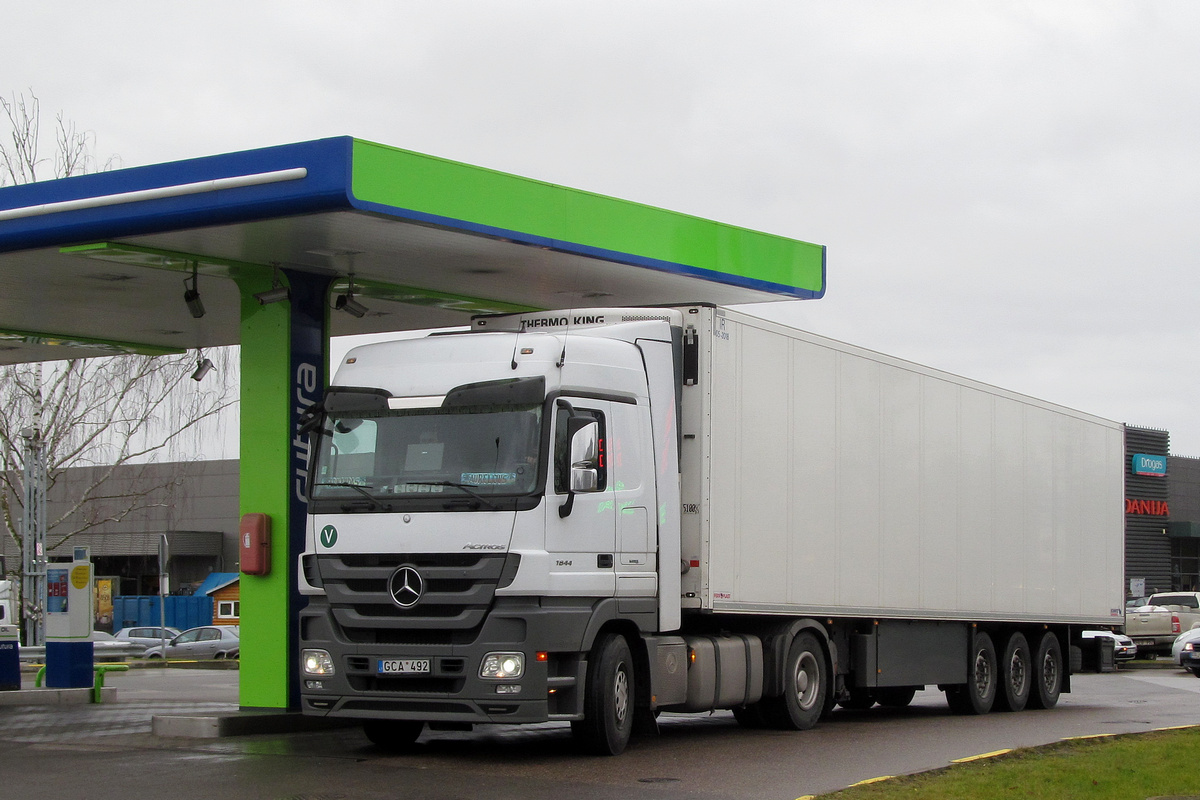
(599, 515)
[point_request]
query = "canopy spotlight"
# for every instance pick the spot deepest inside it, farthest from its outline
(277, 293)
(203, 367)
(192, 295)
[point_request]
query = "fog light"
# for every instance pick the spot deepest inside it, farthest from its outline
(502, 665)
(505, 688)
(314, 684)
(316, 662)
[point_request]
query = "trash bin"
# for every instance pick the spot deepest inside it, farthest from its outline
(10, 660)
(1099, 655)
(1106, 655)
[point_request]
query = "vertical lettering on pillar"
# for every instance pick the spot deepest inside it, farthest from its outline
(307, 376)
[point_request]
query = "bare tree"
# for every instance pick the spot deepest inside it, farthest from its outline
(99, 417)
(20, 157)
(104, 414)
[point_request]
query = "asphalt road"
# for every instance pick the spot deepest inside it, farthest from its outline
(107, 751)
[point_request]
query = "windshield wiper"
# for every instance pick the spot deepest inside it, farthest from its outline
(376, 503)
(462, 486)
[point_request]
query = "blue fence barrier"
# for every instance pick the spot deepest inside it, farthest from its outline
(182, 612)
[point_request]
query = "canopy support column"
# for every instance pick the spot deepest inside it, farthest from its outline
(284, 355)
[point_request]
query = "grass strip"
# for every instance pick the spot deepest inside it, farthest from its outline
(1143, 765)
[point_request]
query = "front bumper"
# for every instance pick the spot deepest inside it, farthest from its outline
(452, 690)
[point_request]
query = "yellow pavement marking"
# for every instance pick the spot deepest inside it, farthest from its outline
(1089, 736)
(981, 756)
(873, 780)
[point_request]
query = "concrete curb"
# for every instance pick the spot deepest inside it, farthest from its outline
(55, 697)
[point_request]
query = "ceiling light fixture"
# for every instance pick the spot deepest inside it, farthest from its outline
(203, 367)
(346, 302)
(191, 296)
(277, 293)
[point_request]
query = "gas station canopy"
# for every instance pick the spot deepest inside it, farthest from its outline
(267, 248)
(99, 264)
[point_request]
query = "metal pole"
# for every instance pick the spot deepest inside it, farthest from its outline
(33, 538)
(163, 556)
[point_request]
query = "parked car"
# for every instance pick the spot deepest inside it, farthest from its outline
(106, 647)
(207, 641)
(1186, 651)
(150, 637)
(1123, 647)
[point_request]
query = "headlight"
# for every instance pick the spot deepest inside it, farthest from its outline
(1190, 646)
(502, 665)
(316, 662)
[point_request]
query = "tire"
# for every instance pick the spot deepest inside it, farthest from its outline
(978, 694)
(1048, 673)
(896, 696)
(608, 698)
(1016, 675)
(393, 735)
(1195, 671)
(858, 700)
(805, 687)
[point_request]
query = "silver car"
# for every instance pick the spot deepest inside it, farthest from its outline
(1123, 647)
(207, 641)
(150, 637)
(1186, 651)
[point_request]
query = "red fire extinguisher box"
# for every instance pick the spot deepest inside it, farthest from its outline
(255, 538)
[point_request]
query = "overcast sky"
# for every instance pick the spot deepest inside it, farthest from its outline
(1007, 190)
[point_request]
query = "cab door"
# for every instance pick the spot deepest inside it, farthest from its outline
(631, 465)
(581, 522)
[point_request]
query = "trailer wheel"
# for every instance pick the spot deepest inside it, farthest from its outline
(1016, 675)
(1047, 673)
(978, 694)
(608, 699)
(805, 686)
(393, 735)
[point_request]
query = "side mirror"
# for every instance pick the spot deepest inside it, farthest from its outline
(582, 457)
(585, 455)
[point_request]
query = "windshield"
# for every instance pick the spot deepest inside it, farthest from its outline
(384, 459)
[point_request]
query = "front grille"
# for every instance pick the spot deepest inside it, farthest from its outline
(458, 590)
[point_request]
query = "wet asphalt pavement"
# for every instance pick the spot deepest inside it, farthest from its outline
(108, 751)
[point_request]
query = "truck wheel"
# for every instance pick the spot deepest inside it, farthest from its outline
(805, 686)
(1016, 675)
(393, 735)
(896, 696)
(1047, 673)
(608, 699)
(978, 694)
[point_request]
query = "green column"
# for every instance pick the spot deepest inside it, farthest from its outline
(283, 368)
(265, 618)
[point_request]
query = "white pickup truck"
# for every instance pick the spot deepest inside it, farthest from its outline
(1154, 626)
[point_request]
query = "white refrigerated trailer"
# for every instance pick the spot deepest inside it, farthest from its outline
(599, 515)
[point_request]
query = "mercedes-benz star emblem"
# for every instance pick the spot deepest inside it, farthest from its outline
(406, 586)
